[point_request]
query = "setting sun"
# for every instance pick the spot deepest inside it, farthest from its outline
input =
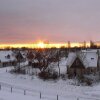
(41, 45)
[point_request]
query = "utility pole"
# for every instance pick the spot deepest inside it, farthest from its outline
(98, 63)
(69, 46)
(58, 53)
(84, 45)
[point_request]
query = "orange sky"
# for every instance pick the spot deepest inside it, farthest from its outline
(41, 44)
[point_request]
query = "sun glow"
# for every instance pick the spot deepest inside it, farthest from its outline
(41, 45)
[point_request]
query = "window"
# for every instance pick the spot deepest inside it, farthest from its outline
(92, 58)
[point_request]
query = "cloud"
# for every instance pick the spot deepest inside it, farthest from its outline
(54, 20)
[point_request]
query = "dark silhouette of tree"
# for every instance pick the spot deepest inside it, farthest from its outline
(84, 45)
(92, 45)
(19, 58)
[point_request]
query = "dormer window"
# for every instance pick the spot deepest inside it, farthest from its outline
(8, 56)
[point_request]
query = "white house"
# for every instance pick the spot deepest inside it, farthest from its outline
(83, 62)
(7, 58)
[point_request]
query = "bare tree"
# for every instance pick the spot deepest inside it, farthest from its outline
(19, 58)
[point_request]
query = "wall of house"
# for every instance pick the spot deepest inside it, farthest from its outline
(91, 70)
(76, 71)
(0, 64)
(72, 72)
(6, 64)
(77, 64)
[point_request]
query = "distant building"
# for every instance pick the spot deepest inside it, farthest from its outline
(83, 62)
(7, 58)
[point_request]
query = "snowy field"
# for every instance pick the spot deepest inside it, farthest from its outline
(48, 89)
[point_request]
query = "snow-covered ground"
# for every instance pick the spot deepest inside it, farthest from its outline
(15, 96)
(48, 89)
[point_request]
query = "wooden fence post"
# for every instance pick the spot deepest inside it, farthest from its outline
(0, 87)
(77, 98)
(40, 95)
(11, 89)
(24, 92)
(57, 97)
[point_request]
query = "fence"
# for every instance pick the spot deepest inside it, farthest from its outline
(25, 91)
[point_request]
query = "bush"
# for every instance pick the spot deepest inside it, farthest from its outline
(63, 76)
(85, 80)
(18, 71)
(48, 75)
(88, 82)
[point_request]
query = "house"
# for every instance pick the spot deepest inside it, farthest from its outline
(35, 63)
(7, 58)
(20, 57)
(83, 62)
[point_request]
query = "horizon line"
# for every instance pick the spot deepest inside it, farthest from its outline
(47, 45)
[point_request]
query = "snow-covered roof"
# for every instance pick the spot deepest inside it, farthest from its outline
(24, 63)
(89, 50)
(71, 58)
(89, 59)
(4, 54)
(35, 61)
